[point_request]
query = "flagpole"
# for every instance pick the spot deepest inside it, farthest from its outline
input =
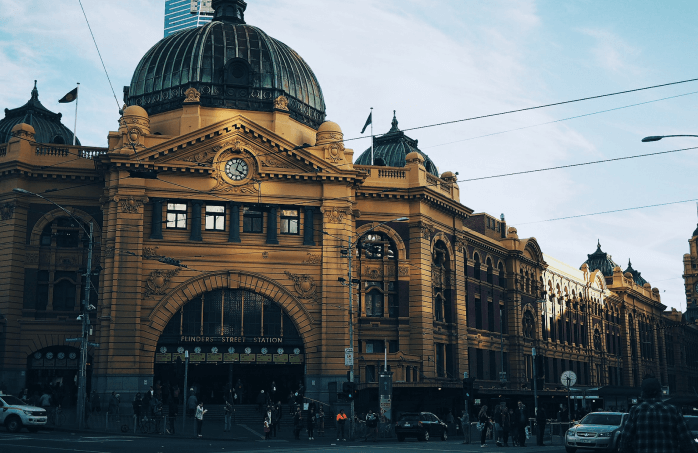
(75, 125)
(372, 163)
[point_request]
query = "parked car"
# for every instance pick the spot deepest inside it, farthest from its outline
(692, 422)
(15, 414)
(422, 425)
(596, 431)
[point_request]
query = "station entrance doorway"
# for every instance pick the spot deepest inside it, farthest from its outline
(234, 338)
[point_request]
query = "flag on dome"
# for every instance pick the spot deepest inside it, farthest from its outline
(369, 120)
(70, 97)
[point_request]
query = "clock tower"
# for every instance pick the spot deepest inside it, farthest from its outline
(690, 277)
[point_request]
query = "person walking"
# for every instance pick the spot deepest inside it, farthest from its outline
(228, 416)
(465, 427)
(521, 423)
(483, 424)
(174, 409)
(371, 425)
(137, 405)
(540, 424)
(297, 424)
(506, 425)
(311, 424)
(654, 426)
(320, 422)
(261, 402)
(497, 418)
(113, 410)
(95, 402)
(341, 420)
(267, 425)
(199, 415)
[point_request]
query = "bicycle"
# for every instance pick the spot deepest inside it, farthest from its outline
(55, 416)
(145, 426)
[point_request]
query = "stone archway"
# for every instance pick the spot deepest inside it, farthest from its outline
(190, 289)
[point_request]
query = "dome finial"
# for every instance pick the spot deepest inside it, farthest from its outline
(35, 92)
(598, 244)
(394, 124)
(232, 11)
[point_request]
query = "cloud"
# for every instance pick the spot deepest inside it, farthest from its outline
(611, 52)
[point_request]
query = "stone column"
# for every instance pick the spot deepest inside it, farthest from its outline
(271, 225)
(234, 234)
(196, 220)
(156, 220)
(308, 228)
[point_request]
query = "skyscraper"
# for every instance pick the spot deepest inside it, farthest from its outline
(181, 14)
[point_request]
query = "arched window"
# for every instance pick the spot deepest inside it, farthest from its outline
(489, 271)
(502, 281)
(378, 288)
(441, 282)
(476, 266)
(528, 325)
(597, 340)
(64, 296)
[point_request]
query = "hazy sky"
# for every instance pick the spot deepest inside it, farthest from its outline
(436, 61)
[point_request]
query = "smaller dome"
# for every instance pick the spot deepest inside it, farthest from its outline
(635, 275)
(329, 126)
(414, 156)
(392, 149)
(47, 125)
(449, 176)
(135, 110)
(24, 127)
(695, 233)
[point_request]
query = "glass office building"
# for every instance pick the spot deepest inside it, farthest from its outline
(182, 14)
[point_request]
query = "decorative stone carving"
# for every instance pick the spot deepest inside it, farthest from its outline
(271, 162)
(440, 277)
(235, 145)
(66, 261)
(200, 158)
(427, 230)
(313, 259)
(281, 103)
(373, 273)
(334, 152)
(109, 251)
(265, 255)
(130, 205)
(158, 281)
(192, 95)
(304, 284)
(403, 271)
(334, 215)
(459, 245)
(7, 211)
(149, 252)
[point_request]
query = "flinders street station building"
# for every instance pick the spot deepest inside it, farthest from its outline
(225, 209)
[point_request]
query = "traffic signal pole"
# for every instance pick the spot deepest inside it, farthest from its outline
(535, 381)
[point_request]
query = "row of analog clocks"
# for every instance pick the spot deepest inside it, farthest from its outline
(231, 350)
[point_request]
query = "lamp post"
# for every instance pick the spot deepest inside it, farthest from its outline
(350, 284)
(84, 316)
(656, 138)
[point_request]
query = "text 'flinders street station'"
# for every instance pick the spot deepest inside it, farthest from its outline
(225, 210)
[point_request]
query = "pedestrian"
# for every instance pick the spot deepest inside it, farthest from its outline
(540, 424)
(137, 405)
(228, 416)
(272, 392)
(297, 424)
(267, 425)
(174, 409)
(192, 402)
(200, 411)
(240, 391)
(371, 425)
(45, 400)
(321, 422)
(291, 401)
(506, 425)
(654, 426)
(261, 401)
(311, 424)
(497, 417)
(514, 428)
(276, 418)
(483, 424)
(341, 420)
(113, 411)
(95, 402)
(521, 423)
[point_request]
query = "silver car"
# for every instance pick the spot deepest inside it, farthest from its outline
(596, 431)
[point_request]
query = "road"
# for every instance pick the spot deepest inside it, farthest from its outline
(63, 442)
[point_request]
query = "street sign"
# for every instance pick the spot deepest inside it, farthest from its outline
(348, 356)
(72, 340)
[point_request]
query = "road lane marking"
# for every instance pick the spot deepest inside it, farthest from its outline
(55, 448)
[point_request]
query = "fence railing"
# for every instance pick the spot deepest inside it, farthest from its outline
(66, 151)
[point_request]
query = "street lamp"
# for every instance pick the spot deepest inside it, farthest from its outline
(656, 138)
(350, 283)
(84, 317)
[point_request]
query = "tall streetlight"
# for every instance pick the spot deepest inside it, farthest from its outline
(84, 316)
(656, 138)
(350, 283)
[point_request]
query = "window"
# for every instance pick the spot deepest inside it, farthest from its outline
(440, 363)
(252, 220)
(374, 299)
(597, 339)
(177, 215)
(476, 266)
(478, 314)
(375, 347)
(64, 296)
(439, 308)
(528, 325)
(215, 218)
(490, 316)
(493, 365)
(290, 220)
(393, 346)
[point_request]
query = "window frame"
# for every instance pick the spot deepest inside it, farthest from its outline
(216, 216)
(288, 219)
(245, 216)
(176, 212)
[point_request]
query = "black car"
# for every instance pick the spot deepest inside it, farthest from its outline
(422, 425)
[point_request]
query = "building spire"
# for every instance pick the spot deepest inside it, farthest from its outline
(35, 92)
(394, 124)
(231, 11)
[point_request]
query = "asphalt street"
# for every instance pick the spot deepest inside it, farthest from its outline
(65, 441)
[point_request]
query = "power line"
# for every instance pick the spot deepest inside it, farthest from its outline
(609, 212)
(100, 54)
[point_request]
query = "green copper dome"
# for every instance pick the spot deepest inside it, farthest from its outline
(600, 260)
(232, 65)
(637, 277)
(391, 149)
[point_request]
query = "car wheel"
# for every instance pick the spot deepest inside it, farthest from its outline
(400, 438)
(13, 424)
(570, 449)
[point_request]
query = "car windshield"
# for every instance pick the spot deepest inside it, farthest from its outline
(602, 419)
(12, 401)
(692, 423)
(409, 418)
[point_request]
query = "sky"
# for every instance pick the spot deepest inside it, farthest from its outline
(445, 60)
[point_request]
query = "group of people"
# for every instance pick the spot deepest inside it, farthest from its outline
(157, 404)
(507, 422)
(313, 420)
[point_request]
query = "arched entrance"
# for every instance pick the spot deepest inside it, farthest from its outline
(231, 334)
(54, 369)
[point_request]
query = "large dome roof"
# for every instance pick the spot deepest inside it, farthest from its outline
(600, 260)
(392, 148)
(232, 65)
(47, 124)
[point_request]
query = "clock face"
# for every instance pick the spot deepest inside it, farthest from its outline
(236, 169)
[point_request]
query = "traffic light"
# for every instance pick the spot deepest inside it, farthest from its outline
(349, 389)
(468, 388)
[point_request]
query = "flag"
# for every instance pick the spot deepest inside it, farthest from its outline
(70, 97)
(369, 120)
